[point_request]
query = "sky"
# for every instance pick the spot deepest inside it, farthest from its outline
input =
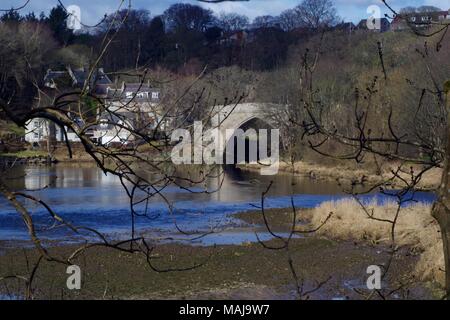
(93, 10)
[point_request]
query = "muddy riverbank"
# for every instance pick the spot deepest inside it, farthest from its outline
(246, 271)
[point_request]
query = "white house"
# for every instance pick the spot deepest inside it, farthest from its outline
(37, 130)
(130, 106)
(113, 129)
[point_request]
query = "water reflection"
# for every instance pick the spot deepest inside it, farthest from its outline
(86, 196)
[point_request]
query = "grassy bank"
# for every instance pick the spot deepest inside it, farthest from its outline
(25, 154)
(351, 173)
(415, 229)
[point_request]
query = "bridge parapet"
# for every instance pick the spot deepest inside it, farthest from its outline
(234, 116)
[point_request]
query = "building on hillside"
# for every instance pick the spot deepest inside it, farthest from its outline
(237, 38)
(419, 20)
(115, 129)
(129, 105)
(76, 79)
(134, 106)
(384, 24)
(40, 130)
(347, 27)
(56, 83)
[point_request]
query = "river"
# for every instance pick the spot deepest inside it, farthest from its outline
(85, 196)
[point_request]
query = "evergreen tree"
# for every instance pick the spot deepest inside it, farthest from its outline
(57, 22)
(11, 16)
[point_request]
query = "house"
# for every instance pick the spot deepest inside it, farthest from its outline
(347, 27)
(114, 129)
(130, 105)
(76, 78)
(236, 38)
(384, 24)
(419, 20)
(134, 106)
(55, 83)
(39, 130)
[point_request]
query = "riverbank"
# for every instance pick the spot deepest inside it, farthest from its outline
(416, 231)
(42, 157)
(246, 271)
(350, 173)
(78, 154)
(235, 272)
(26, 157)
(415, 228)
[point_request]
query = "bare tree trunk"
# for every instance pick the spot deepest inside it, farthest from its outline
(441, 209)
(51, 138)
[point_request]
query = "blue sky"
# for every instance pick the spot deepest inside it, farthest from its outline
(93, 10)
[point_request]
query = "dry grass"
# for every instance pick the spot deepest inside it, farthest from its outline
(351, 173)
(415, 228)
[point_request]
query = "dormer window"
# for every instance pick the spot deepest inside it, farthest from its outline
(103, 123)
(129, 94)
(413, 19)
(142, 95)
(425, 18)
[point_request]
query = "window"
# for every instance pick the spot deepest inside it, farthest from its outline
(36, 124)
(103, 123)
(36, 135)
(413, 19)
(129, 94)
(142, 95)
(155, 95)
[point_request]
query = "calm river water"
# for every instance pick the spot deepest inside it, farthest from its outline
(85, 196)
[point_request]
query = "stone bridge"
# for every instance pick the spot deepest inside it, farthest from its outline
(249, 144)
(241, 116)
(223, 143)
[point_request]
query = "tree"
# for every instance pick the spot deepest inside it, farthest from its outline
(413, 150)
(23, 57)
(57, 21)
(317, 14)
(264, 22)
(129, 48)
(441, 211)
(290, 19)
(153, 43)
(187, 17)
(31, 17)
(231, 22)
(11, 16)
(267, 50)
(143, 176)
(127, 21)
